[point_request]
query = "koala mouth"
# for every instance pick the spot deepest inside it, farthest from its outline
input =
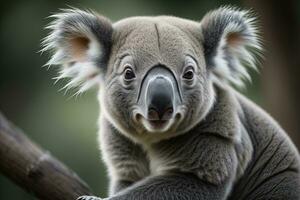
(158, 125)
(165, 123)
(158, 122)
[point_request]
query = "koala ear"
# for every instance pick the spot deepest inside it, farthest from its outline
(80, 43)
(230, 43)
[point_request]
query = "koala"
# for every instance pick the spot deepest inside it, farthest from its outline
(172, 125)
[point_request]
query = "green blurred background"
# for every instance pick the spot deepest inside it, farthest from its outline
(67, 126)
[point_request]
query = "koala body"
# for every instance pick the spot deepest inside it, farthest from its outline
(171, 126)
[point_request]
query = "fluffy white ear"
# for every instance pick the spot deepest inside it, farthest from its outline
(230, 44)
(80, 43)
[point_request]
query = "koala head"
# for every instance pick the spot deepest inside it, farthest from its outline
(156, 74)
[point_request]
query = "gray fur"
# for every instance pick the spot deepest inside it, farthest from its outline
(222, 146)
(228, 59)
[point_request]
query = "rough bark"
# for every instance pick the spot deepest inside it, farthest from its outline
(34, 169)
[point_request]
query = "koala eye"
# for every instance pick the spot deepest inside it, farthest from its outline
(189, 69)
(189, 74)
(128, 73)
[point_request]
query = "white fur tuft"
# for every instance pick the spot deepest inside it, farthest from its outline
(71, 23)
(230, 61)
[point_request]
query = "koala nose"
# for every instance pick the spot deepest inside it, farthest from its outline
(160, 99)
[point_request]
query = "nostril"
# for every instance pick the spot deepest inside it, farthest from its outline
(160, 114)
(167, 114)
(153, 114)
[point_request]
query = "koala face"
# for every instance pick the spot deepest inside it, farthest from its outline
(156, 74)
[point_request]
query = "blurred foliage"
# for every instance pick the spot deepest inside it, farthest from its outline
(65, 126)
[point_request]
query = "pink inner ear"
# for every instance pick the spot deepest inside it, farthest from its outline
(234, 39)
(79, 47)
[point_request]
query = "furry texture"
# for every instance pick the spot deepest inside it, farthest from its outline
(263, 164)
(230, 42)
(218, 146)
(80, 42)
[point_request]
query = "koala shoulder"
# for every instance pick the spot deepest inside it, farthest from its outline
(275, 161)
(216, 150)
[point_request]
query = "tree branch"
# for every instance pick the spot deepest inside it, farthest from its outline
(34, 169)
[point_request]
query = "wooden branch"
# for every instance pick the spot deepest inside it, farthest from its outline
(34, 169)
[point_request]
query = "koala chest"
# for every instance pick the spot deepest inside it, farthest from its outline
(155, 166)
(159, 164)
(212, 163)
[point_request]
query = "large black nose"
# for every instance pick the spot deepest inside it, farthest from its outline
(160, 97)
